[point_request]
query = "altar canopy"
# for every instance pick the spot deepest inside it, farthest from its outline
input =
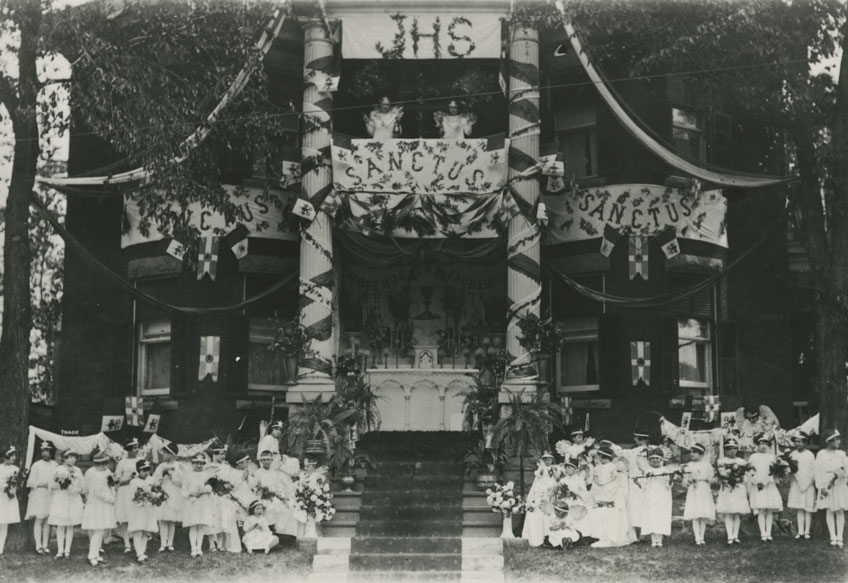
(638, 209)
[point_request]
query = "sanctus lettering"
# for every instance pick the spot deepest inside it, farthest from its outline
(686, 210)
(246, 213)
(598, 211)
(416, 166)
(673, 215)
(262, 205)
(586, 201)
(457, 167)
(351, 173)
(204, 216)
(655, 213)
(639, 213)
(394, 161)
(616, 213)
(372, 168)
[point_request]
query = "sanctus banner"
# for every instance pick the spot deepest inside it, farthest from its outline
(442, 35)
(639, 209)
(260, 212)
(477, 166)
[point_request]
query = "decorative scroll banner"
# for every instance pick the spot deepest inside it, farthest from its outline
(420, 166)
(444, 35)
(638, 209)
(261, 213)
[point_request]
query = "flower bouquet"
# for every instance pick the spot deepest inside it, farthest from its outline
(732, 475)
(264, 493)
(781, 467)
(503, 499)
(16, 481)
(219, 487)
(111, 481)
(63, 479)
(313, 499)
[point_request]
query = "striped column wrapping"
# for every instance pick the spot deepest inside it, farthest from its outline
(524, 285)
(316, 244)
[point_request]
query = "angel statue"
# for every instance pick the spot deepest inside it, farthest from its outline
(454, 125)
(383, 122)
(751, 421)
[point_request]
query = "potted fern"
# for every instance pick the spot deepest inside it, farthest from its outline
(319, 427)
(292, 339)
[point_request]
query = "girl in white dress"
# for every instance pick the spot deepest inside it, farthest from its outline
(66, 505)
(278, 509)
(802, 489)
(124, 473)
(257, 534)
(732, 502)
(831, 471)
(199, 504)
(656, 499)
(540, 501)
(577, 486)
(223, 524)
(169, 476)
(271, 442)
(764, 497)
(142, 519)
(609, 517)
(99, 514)
(10, 512)
(38, 505)
(699, 506)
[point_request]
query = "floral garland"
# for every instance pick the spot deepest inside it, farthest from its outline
(314, 499)
(16, 481)
(503, 499)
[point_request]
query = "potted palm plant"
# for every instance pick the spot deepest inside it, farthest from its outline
(318, 427)
(543, 338)
(292, 339)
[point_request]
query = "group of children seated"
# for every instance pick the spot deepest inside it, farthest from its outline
(230, 505)
(616, 495)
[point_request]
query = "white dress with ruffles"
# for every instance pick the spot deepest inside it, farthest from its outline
(831, 471)
(38, 482)
(699, 497)
(99, 513)
(10, 511)
(802, 489)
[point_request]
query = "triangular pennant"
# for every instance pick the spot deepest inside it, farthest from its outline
(638, 257)
(152, 425)
(207, 258)
(640, 362)
(290, 173)
(176, 250)
(611, 237)
(553, 163)
(712, 406)
(111, 423)
(210, 355)
(303, 209)
(134, 410)
(668, 242)
(555, 184)
(237, 241)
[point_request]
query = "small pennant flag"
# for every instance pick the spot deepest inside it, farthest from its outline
(611, 237)
(686, 420)
(290, 173)
(176, 250)
(553, 163)
(237, 240)
(134, 408)
(324, 74)
(152, 425)
(207, 258)
(567, 410)
(111, 423)
(210, 355)
(668, 243)
(712, 406)
(555, 184)
(586, 423)
(542, 213)
(638, 257)
(503, 71)
(304, 209)
(640, 362)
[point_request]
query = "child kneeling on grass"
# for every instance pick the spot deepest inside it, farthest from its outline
(257, 533)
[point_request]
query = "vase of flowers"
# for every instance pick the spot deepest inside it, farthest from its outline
(313, 502)
(292, 339)
(503, 499)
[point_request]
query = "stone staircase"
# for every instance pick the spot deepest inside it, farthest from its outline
(410, 520)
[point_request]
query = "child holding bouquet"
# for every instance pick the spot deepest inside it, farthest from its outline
(732, 499)
(143, 509)
(270, 487)
(802, 490)
(764, 498)
(99, 514)
(540, 501)
(576, 485)
(257, 534)
(656, 499)
(38, 505)
(223, 531)
(699, 506)
(66, 505)
(9, 511)
(169, 477)
(831, 470)
(199, 505)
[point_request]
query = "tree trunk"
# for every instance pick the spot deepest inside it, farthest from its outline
(17, 311)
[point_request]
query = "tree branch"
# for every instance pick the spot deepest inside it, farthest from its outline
(8, 93)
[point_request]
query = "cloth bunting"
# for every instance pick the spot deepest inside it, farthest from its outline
(152, 425)
(553, 163)
(237, 241)
(290, 173)
(611, 237)
(555, 184)
(668, 243)
(323, 73)
(712, 406)
(640, 362)
(135, 410)
(111, 423)
(176, 250)
(207, 258)
(210, 355)
(304, 209)
(638, 257)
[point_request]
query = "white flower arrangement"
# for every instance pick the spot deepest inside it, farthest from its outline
(504, 500)
(312, 498)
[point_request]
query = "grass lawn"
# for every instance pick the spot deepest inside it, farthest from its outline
(680, 561)
(281, 565)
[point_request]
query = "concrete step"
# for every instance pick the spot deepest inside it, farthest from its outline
(439, 528)
(411, 468)
(481, 546)
(410, 513)
(482, 577)
(377, 496)
(481, 530)
(441, 545)
(482, 562)
(334, 545)
(451, 482)
(403, 576)
(330, 564)
(406, 562)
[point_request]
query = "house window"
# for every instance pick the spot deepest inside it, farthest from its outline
(265, 368)
(694, 351)
(577, 362)
(154, 357)
(578, 134)
(687, 133)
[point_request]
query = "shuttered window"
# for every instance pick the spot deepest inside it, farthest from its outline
(154, 357)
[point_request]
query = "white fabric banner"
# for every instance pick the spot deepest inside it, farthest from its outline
(639, 209)
(476, 166)
(442, 35)
(261, 213)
